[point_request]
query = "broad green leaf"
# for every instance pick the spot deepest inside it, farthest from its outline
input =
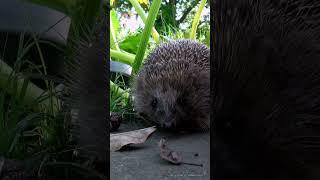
(131, 43)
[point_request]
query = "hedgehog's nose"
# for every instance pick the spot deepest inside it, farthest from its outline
(167, 124)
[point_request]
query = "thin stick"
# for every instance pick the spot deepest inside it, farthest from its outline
(193, 164)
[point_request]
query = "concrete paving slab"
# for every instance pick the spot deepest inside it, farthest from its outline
(143, 161)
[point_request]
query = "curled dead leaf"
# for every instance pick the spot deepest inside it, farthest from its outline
(168, 154)
(172, 156)
(117, 141)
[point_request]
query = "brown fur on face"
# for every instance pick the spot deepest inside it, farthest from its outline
(172, 88)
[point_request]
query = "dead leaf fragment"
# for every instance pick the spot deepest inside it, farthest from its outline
(168, 154)
(117, 141)
(172, 156)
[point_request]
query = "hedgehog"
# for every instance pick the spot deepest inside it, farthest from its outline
(265, 90)
(172, 89)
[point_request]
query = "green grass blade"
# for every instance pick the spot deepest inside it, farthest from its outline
(20, 49)
(154, 9)
(41, 56)
(196, 20)
(113, 30)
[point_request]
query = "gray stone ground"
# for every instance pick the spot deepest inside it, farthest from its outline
(143, 162)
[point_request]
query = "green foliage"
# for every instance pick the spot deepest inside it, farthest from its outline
(114, 30)
(28, 126)
(172, 13)
(167, 17)
(145, 35)
(131, 43)
(137, 44)
(203, 34)
(196, 19)
(32, 124)
(143, 16)
(140, 43)
(119, 95)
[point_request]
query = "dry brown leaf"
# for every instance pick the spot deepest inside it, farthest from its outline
(168, 154)
(172, 156)
(117, 141)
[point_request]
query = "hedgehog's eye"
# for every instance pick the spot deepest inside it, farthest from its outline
(154, 103)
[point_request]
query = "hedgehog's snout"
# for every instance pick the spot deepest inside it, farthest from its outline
(170, 119)
(169, 122)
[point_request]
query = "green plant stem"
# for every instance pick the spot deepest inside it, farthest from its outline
(113, 39)
(196, 19)
(120, 92)
(143, 16)
(154, 9)
(122, 56)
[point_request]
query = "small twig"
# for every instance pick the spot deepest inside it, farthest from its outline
(193, 164)
(172, 156)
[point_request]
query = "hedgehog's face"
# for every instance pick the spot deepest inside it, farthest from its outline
(166, 108)
(173, 107)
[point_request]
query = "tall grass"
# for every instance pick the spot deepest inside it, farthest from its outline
(29, 128)
(33, 128)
